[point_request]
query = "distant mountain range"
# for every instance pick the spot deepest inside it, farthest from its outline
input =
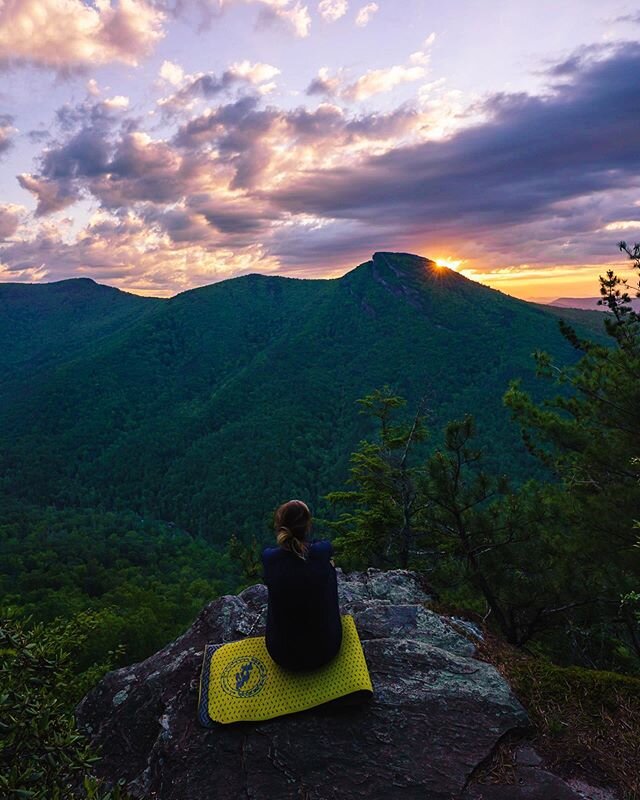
(589, 303)
(209, 408)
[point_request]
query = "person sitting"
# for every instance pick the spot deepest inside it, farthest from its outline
(304, 626)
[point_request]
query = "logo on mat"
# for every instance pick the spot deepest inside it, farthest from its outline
(244, 676)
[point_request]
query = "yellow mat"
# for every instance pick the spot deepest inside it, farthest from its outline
(241, 682)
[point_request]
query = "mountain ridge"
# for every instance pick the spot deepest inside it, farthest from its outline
(252, 383)
(43, 324)
(588, 303)
(410, 269)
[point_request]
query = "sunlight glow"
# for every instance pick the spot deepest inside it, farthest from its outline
(448, 262)
(623, 225)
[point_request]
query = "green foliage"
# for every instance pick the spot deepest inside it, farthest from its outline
(499, 551)
(46, 324)
(248, 557)
(590, 439)
(631, 600)
(42, 755)
(501, 540)
(384, 526)
(147, 579)
(594, 434)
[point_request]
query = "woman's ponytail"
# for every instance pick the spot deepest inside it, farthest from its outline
(292, 522)
(284, 536)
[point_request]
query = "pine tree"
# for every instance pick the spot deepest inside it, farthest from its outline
(590, 440)
(384, 525)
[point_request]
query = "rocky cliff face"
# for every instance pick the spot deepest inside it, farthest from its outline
(436, 715)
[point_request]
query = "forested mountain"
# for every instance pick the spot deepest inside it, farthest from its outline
(210, 408)
(43, 324)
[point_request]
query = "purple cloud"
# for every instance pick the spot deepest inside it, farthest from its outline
(540, 179)
(531, 154)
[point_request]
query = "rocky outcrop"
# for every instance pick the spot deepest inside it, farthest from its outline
(437, 713)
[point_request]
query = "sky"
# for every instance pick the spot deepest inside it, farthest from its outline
(160, 145)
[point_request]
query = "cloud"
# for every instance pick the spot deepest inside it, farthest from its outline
(325, 84)
(634, 17)
(623, 225)
(130, 252)
(539, 180)
(290, 15)
(117, 102)
(295, 17)
(9, 219)
(530, 163)
(201, 86)
(70, 35)
(51, 195)
(98, 114)
(171, 72)
(419, 58)
(65, 166)
(206, 85)
(365, 14)
(374, 81)
(332, 10)
(205, 190)
(253, 73)
(6, 132)
(580, 59)
(84, 155)
(216, 123)
(423, 56)
(266, 147)
(37, 136)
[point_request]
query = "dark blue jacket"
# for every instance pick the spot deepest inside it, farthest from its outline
(304, 627)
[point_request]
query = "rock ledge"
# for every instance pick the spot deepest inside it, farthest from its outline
(436, 715)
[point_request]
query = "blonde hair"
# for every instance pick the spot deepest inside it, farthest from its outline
(292, 521)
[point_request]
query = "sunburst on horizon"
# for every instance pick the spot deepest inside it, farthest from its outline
(451, 263)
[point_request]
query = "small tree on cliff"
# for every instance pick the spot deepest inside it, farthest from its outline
(383, 527)
(501, 551)
(505, 545)
(248, 559)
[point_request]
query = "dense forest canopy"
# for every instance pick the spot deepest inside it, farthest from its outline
(207, 409)
(144, 443)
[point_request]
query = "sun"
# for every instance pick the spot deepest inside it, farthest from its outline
(448, 262)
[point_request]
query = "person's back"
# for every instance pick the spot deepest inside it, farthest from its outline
(304, 627)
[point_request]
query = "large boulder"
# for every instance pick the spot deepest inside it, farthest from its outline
(436, 714)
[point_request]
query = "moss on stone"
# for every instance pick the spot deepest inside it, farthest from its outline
(587, 721)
